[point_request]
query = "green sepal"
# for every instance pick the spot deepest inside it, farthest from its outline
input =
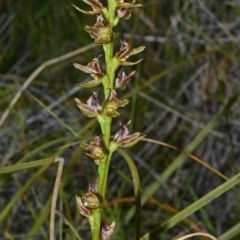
(130, 63)
(131, 143)
(85, 12)
(82, 68)
(137, 50)
(85, 146)
(129, 5)
(93, 83)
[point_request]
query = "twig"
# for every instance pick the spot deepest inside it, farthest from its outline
(55, 194)
(197, 234)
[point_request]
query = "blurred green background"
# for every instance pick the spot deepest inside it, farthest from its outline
(190, 71)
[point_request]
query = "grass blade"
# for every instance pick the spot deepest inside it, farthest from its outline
(230, 233)
(181, 157)
(136, 185)
(193, 207)
(21, 166)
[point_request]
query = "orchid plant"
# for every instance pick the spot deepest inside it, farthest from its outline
(100, 149)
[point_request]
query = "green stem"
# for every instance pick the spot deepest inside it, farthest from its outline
(103, 175)
(112, 6)
(105, 123)
(95, 223)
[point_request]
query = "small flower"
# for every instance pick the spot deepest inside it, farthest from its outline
(81, 208)
(122, 137)
(88, 202)
(95, 4)
(107, 230)
(96, 149)
(93, 106)
(125, 51)
(94, 69)
(121, 80)
(125, 9)
(112, 104)
(101, 31)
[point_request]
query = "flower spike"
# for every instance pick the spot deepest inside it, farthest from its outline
(112, 104)
(93, 106)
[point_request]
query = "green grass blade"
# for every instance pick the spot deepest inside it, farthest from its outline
(160, 75)
(21, 166)
(41, 219)
(37, 72)
(136, 185)
(21, 191)
(193, 207)
(181, 157)
(48, 145)
(53, 114)
(230, 233)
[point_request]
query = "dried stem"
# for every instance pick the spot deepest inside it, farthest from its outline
(55, 194)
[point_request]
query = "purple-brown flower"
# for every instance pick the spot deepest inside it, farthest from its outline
(95, 71)
(122, 137)
(88, 202)
(125, 9)
(127, 50)
(121, 79)
(93, 106)
(107, 230)
(112, 104)
(101, 31)
(96, 149)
